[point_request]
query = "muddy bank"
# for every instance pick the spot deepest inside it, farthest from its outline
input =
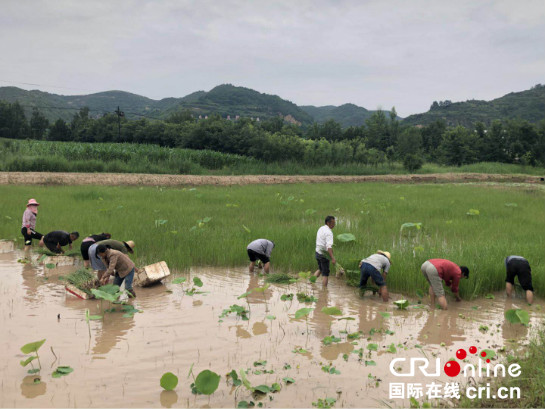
(121, 362)
(115, 179)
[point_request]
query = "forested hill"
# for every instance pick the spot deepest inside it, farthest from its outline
(347, 114)
(223, 100)
(228, 100)
(528, 105)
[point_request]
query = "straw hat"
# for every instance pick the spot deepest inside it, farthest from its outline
(385, 253)
(32, 202)
(130, 245)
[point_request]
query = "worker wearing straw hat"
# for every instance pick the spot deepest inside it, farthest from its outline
(28, 228)
(376, 266)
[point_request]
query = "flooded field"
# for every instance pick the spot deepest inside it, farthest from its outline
(120, 363)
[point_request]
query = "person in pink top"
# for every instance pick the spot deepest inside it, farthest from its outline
(28, 228)
(438, 270)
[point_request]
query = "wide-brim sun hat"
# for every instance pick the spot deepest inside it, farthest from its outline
(32, 202)
(385, 253)
(129, 245)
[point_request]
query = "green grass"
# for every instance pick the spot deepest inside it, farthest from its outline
(161, 222)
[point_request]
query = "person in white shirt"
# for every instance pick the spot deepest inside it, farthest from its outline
(324, 249)
(376, 266)
(260, 249)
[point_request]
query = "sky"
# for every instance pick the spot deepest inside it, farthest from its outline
(375, 54)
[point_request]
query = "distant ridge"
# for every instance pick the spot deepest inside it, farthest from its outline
(229, 100)
(527, 105)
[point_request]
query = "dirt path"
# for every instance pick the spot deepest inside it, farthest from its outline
(116, 179)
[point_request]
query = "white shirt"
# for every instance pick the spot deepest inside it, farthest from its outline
(379, 261)
(324, 239)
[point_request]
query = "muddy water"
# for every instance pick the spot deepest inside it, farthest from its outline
(121, 362)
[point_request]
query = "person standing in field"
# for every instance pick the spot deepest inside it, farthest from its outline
(519, 266)
(260, 249)
(324, 249)
(57, 239)
(88, 242)
(437, 270)
(28, 229)
(377, 267)
(119, 265)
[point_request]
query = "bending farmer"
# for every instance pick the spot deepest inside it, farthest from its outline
(88, 242)
(519, 266)
(125, 247)
(376, 266)
(324, 248)
(119, 265)
(437, 270)
(57, 239)
(260, 249)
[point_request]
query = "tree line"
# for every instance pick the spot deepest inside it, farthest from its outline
(383, 139)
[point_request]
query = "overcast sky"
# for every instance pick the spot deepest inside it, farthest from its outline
(371, 53)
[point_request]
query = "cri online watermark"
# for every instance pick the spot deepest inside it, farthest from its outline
(433, 390)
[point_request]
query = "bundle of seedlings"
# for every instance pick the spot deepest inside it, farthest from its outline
(83, 280)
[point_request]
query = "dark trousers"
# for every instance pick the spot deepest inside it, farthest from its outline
(28, 237)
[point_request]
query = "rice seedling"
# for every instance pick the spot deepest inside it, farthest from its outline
(479, 242)
(278, 278)
(82, 279)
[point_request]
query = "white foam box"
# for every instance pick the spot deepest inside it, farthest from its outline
(6, 246)
(152, 274)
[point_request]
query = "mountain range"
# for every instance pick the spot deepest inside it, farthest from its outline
(228, 100)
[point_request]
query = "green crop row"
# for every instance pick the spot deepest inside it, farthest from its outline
(475, 225)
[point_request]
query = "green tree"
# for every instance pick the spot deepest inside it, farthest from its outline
(180, 117)
(458, 147)
(38, 124)
(59, 131)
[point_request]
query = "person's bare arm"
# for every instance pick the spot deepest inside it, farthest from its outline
(330, 251)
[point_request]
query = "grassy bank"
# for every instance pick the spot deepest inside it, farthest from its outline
(47, 156)
(165, 224)
(531, 382)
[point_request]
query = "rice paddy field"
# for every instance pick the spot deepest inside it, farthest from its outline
(476, 225)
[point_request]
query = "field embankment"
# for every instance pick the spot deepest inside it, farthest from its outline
(132, 179)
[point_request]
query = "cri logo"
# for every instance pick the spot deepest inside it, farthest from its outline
(451, 368)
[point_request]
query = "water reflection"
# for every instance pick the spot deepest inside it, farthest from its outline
(441, 327)
(168, 398)
(321, 322)
(259, 328)
(257, 297)
(30, 390)
(512, 331)
(241, 332)
(114, 328)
